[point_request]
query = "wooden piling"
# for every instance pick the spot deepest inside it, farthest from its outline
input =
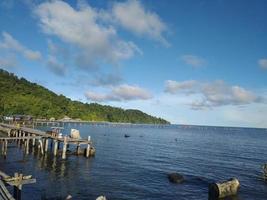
(55, 147)
(27, 146)
(64, 148)
(40, 146)
(78, 149)
(88, 147)
(5, 148)
(46, 145)
(17, 188)
(17, 135)
(33, 141)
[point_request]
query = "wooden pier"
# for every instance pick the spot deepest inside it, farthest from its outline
(17, 181)
(32, 138)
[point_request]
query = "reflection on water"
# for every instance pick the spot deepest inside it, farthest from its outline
(136, 167)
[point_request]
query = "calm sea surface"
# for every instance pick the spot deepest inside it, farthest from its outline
(137, 167)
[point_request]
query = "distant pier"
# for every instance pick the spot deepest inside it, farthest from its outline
(32, 138)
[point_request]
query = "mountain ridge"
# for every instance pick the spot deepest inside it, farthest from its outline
(20, 96)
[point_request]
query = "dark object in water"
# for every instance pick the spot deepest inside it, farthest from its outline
(176, 178)
(126, 136)
(224, 189)
(265, 172)
(176, 139)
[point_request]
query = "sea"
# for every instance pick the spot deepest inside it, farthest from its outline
(137, 167)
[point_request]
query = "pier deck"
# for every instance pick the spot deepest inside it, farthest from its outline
(32, 137)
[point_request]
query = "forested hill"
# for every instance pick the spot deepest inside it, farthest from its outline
(19, 96)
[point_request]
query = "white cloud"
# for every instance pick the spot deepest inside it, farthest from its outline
(173, 86)
(194, 61)
(212, 94)
(263, 63)
(8, 43)
(84, 28)
(120, 93)
(134, 17)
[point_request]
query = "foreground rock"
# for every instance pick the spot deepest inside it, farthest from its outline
(176, 178)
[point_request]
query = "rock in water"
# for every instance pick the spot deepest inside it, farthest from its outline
(265, 172)
(101, 198)
(175, 178)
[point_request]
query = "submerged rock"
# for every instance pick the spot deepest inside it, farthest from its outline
(265, 172)
(176, 178)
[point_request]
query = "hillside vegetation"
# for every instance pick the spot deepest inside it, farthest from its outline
(19, 96)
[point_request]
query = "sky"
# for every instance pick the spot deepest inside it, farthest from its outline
(190, 62)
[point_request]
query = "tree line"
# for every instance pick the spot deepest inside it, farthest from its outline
(19, 96)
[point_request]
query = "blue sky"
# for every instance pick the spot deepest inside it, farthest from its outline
(190, 62)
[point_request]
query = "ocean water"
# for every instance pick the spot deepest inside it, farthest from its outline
(137, 167)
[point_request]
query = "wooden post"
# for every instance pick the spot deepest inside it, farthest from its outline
(18, 186)
(58, 146)
(40, 146)
(78, 149)
(5, 148)
(27, 146)
(23, 135)
(88, 147)
(20, 135)
(55, 147)
(33, 141)
(16, 135)
(46, 145)
(51, 144)
(64, 148)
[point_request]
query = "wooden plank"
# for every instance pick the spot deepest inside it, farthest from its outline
(22, 182)
(4, 192)
(20, 138)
